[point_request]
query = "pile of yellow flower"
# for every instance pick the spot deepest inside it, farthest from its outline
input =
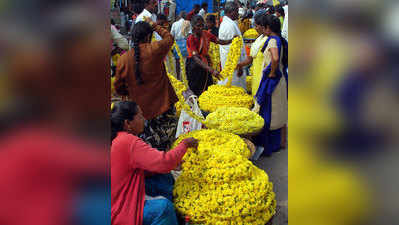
(219, 96)
(219, 185)
(235, 120)
(251, 34)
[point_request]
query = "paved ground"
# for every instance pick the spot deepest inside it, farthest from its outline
(276, 167)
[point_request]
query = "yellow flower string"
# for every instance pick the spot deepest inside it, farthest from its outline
(232, 60)
(214, 53)
(219, 185)
(182, 65)
(179, 88)
(171, 65)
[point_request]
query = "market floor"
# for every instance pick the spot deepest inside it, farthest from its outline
(276, 167)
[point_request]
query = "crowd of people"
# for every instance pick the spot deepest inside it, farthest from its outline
(143, 115)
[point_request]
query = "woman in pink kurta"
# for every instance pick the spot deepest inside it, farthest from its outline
(130, 159)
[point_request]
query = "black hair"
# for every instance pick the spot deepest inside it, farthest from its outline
(211, 18)
(122, 111)
(273, 22)
(141, 30)
(204, 5)
(271, 10)
(139, 6)
(162, 17)
(113, 22)
(249, 14)
(230, 7)
(195, 20)
(280, 10)
(261, 19)
(196, 6)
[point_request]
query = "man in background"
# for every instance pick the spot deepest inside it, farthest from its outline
(228, 30)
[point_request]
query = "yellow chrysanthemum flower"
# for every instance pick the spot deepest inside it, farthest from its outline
(222, 96)
(219, 185)
(235, 120)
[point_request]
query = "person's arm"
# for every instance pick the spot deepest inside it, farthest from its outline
(206, 67)
(120, 41)
(246, 62)
(218, 41)
(194, 52)
(144, 157)
(162, 47)
(275, 61)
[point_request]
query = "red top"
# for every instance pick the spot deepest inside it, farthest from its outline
(40, 171)
(130, 158)
(200, 46)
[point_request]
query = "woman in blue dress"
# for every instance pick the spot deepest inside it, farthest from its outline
(271, 100)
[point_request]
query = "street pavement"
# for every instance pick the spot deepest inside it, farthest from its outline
(276, 167)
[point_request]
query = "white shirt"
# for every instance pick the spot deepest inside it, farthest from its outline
(202, 13)
(118, 39)
(153, 17)
(146, 13)
(284, 31)
(228, 29)
(176, 30)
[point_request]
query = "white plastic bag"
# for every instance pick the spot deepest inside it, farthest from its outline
(186, 123)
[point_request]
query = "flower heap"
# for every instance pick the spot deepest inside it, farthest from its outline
(219, 185)
(235, 120)
(232, 59)
(219, 96)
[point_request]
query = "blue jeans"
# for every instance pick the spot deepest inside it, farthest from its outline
(160, 185)
(159, 212)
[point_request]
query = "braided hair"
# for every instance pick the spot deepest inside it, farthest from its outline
(140, 32)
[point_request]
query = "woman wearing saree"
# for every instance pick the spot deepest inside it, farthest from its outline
(256, 56)
(271, 99)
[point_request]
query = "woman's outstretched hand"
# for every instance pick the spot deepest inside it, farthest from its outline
(191, 142)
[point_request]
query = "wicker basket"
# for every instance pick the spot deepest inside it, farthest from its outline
(251, 146)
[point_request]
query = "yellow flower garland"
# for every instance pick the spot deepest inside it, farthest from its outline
(179, 88)
(235, 120)
(232, 60)
(220, 96)
(182, 65)
(214, 53)
(219, 185)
